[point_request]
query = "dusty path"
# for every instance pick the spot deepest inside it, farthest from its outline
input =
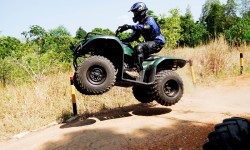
(148, 126)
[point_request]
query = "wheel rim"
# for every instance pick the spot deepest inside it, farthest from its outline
(96, 75)
(171, 88)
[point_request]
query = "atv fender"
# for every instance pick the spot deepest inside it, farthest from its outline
(163, 63)
(84, 47)
(109, 47)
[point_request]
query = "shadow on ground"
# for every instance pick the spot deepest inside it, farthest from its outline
(137, 109)
(179, 135)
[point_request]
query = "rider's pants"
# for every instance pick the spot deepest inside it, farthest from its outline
(143, 50)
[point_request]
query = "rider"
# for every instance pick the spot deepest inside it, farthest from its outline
(149, 29)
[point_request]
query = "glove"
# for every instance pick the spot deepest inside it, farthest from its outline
(124, 28)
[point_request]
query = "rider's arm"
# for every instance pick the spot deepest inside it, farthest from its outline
(137, 32)
(133, 37)
(141, 27)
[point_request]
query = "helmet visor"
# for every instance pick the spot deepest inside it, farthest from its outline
(137, 14)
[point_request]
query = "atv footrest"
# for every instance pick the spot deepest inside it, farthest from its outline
(141, 77)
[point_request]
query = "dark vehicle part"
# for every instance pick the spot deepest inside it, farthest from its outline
(168, 88)
(142, 93)
(232, 134)
(95, 75)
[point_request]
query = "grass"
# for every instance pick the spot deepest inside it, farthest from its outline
(214, 61)
(32, 105)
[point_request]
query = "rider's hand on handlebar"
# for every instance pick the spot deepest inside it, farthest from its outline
(123, 28)
(126, 27)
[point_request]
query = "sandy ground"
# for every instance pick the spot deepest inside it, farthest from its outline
(148, 126)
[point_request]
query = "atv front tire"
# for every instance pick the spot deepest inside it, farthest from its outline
(95, 75)
(142, 93)
(232, 134)
(167, 88)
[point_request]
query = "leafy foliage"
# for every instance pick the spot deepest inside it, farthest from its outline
(239, 33)
(170, 27)
(103, 31)
(215, 20)
(59, 31)
(9, 47)
(193, 34)
(80, 33)
(42, 53)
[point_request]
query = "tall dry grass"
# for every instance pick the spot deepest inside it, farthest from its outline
(214, 61)
(32, 105)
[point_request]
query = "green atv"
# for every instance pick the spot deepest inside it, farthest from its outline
(100, 62)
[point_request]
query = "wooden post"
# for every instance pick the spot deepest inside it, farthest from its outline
(192, 71)
(241, 62)
(73, 96)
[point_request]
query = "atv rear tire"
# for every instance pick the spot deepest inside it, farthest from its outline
(168, 88)
(142, 93)
(232, 134)
(95, 75)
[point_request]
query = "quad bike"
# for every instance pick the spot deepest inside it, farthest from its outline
(100, 62)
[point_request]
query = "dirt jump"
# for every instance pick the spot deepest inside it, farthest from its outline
(185, 125)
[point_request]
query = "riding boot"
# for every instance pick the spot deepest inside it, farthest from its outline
(138, 62)
(135, 72)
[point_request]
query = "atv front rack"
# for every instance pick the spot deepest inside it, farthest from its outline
(78, 47)
(91, 34)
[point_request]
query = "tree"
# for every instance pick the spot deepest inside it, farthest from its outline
(231, 8)
(60, 46)
(245, 8)
(59, 43)
(103, 31)
(214, 20)
(33, 63)
(80, 33)
(206, 8)
(59, 31)
(187, 23)
(35, 33)
(192, 34)
(199, 35)
(239, 33)
(170, 27)
(231, 17)
(9, 47)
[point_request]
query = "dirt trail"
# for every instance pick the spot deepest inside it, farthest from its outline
(148, 126)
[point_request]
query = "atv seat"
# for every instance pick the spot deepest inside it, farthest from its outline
(151, 58)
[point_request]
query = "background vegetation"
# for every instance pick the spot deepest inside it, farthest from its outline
(34, 72)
